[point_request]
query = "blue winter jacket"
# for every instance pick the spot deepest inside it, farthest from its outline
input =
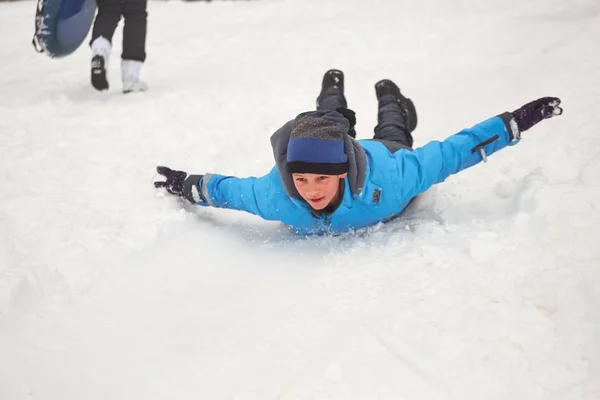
(379, 185)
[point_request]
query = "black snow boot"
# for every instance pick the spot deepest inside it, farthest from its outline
(99, 73)
(385, 88)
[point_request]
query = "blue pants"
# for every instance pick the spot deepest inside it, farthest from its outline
(391, 129)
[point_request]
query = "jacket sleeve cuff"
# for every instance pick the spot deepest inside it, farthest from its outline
(191, 189)
(514, 134)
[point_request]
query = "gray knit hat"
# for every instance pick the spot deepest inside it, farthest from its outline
(317, 143)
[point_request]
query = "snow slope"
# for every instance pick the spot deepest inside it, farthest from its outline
(487, 289)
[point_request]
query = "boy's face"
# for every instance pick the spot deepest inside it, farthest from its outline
(318, 190)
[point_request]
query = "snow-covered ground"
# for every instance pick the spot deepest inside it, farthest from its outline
(488, 289)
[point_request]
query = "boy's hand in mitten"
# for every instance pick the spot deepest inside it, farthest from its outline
(536, 111)
(180, 184)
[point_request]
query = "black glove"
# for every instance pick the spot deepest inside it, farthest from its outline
(351, 117)
(536, 111)
(181, 184)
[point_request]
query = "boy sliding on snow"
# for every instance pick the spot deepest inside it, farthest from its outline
(325, 181)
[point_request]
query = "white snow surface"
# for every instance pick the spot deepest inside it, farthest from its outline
(489, 287)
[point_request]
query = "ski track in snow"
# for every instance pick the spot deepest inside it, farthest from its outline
(488, 288)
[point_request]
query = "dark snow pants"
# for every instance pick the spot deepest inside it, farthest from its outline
(391, 129)
(134, 29)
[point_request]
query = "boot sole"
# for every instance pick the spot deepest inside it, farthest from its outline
(412, 115)
(330, 75)
(125, 91)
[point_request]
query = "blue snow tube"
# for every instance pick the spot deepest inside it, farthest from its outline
(62, 25)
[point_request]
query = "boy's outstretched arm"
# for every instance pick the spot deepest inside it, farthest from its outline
(246, 194)
(435, 161)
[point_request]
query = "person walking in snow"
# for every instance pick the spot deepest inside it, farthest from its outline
(327, 182)
(134, 42)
